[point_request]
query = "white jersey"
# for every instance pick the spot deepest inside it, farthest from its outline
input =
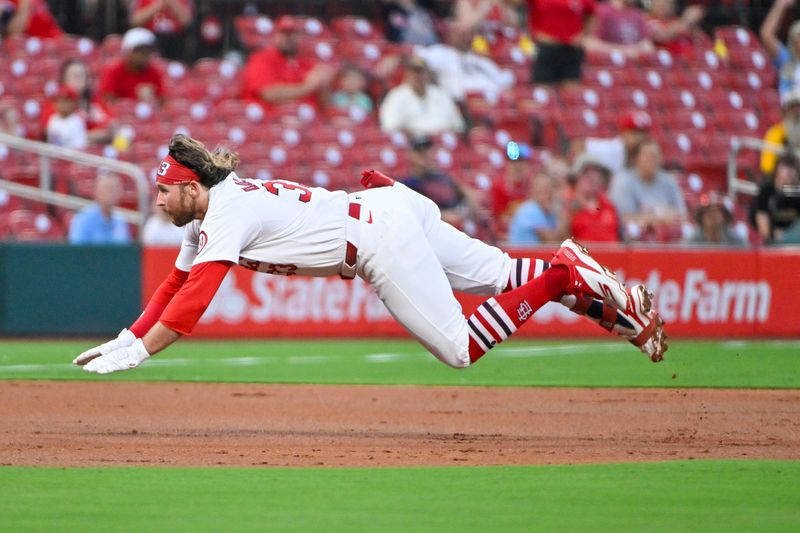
(273, 226)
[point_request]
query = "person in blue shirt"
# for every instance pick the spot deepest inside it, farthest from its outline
(536, 219)
(786, 57)
(97, 224)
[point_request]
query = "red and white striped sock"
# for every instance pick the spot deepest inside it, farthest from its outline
(498, 318)
(523, 270)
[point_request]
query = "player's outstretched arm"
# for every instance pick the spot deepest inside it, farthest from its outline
(177, 319)
(152, 312)
(123, 340)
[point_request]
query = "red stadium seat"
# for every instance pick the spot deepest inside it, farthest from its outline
(254, 30)
(352, 27)
(599, 77)
(577, 96)
(737, 37)
(28, 225)
(685, 120)
(743, 123)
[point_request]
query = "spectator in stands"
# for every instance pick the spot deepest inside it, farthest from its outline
(419, 107)
(785, 133)
(278, 74)
(647, 198)
(615, 152)
(74, 74)
(714, 221)
(559, 28)
(511, 189)
(457, 204)
(785, 56)
(32, 18)
(351, 90)
(536, 220)
(590, 215)
(134, 75)
(673, 33)
(776, 207)
(459, 71)
(66, 126)
(620, 27)
(98, 224)
(410, 22)
(168, 20)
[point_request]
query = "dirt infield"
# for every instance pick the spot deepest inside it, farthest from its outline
(101, 423)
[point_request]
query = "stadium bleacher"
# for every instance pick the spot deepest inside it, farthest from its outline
(697, 104)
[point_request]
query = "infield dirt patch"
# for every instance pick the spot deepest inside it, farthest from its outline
(192, 424)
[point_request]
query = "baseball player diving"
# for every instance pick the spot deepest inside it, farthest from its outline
(389, 235)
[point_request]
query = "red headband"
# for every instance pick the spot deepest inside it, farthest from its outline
(170, 172)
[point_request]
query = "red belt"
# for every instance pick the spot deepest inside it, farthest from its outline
(348, 270)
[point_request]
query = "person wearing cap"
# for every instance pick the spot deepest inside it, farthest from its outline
(714, 222)
(786, 57)
(648, 199)
(279, 74)
(785, 133)
(419, 107)
(615, 152)
(588, 213)
(67, 127)
(456, 203)
(134, 75)
(167, 19)
(31, 18)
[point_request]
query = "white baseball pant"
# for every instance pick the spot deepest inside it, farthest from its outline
(415, 261)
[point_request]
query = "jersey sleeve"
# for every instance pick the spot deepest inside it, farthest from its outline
(224, 235)
(187, 307)
(188, 252)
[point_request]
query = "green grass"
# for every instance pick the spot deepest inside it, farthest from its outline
(678, 496)
(516, 363)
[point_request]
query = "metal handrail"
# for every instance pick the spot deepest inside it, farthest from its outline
(735, 184)
(43, 193)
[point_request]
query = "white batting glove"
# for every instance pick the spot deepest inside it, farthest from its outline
(125, 338)
(119, 359)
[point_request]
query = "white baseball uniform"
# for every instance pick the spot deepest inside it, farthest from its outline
(391, 236)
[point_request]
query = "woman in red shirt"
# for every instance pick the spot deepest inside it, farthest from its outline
(593, 217)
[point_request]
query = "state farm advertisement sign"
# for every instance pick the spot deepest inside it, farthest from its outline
(699, 293)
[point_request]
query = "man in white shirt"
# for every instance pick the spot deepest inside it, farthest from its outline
(419, 107)
(460, 71)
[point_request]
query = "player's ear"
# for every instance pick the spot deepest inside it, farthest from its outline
(194, 188)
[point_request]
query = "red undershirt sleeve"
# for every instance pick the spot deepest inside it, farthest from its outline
(191, 301)
(158, 302)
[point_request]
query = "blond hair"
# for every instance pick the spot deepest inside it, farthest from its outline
(212, 167)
